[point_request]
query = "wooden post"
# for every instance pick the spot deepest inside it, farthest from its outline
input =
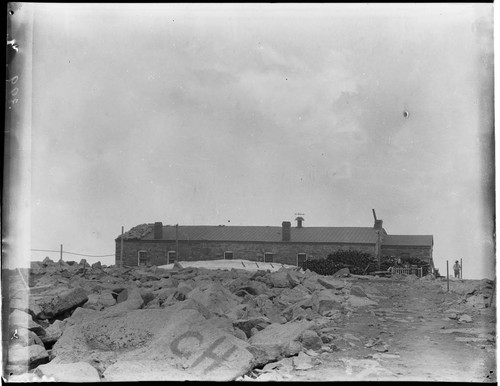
(61, 258)
(447, 277)
(460, 268)
(378, 247)
(121, 249)
(177, 242)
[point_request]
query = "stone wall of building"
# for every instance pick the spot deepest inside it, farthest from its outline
(282, 252)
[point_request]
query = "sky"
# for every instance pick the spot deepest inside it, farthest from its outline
(245, 114)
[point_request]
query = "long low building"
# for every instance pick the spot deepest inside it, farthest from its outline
(158, 244)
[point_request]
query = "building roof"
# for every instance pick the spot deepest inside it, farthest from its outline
(408, 240)
(350, 235)
(364, 235)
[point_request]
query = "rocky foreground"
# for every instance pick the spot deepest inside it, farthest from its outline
(75, 322)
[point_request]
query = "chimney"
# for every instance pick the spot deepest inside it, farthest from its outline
(378, 224)
(299, 221)
(285, 230)
(158, 230)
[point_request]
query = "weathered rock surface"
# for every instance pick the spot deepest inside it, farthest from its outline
(25, 337)
(331, 283)
(55, 305)
(279, 279)
(356, 301)
(327, 300)
(100, 301)
(175, 336)
(27, 356)
(311, 340)
(26, 304)
(215, 297)
(53, 332)
(153, 324)
(465, 318)
(20, 319)
(278, 340)
(69, 372)
(128, 299)
(246, 325)
(312, 284)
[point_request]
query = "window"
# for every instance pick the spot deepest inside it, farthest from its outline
(228, 255)
(301, 257)
(171, 257)
(268, 257)
(142, 258)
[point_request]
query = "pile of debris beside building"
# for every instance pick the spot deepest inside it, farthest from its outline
(78, 322)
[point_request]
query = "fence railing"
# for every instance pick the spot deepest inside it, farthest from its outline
(406, 271)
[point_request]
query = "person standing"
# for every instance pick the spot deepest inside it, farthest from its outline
(456, 269)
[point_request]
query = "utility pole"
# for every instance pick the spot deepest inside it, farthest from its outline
(460, 268)
(61, 258)
(121, 249)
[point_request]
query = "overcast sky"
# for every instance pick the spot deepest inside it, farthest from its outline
(248, 114)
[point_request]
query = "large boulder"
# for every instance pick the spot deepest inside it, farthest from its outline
(53, 332)
(331, 283)
(358, 291)
(214, 296)
(27, 356)
(99, 301)
(250, 287)
(291, 296)
(164, 293)
(179, 295)
(25, 303)
(294, 277)
(312, 284)
(20, 319)
(128, 299)
(311, 340)
(173, 337)
(305, 309)
(278, 340)
(165, 283)
(279, 279)
(97, 265)
(69, 372)
(264, 306)
(327, 300)
(79, 316)
(53, 306)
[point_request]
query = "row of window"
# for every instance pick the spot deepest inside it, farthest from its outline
(142, 257)
(269, 257)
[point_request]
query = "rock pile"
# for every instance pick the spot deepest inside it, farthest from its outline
(71, 320)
